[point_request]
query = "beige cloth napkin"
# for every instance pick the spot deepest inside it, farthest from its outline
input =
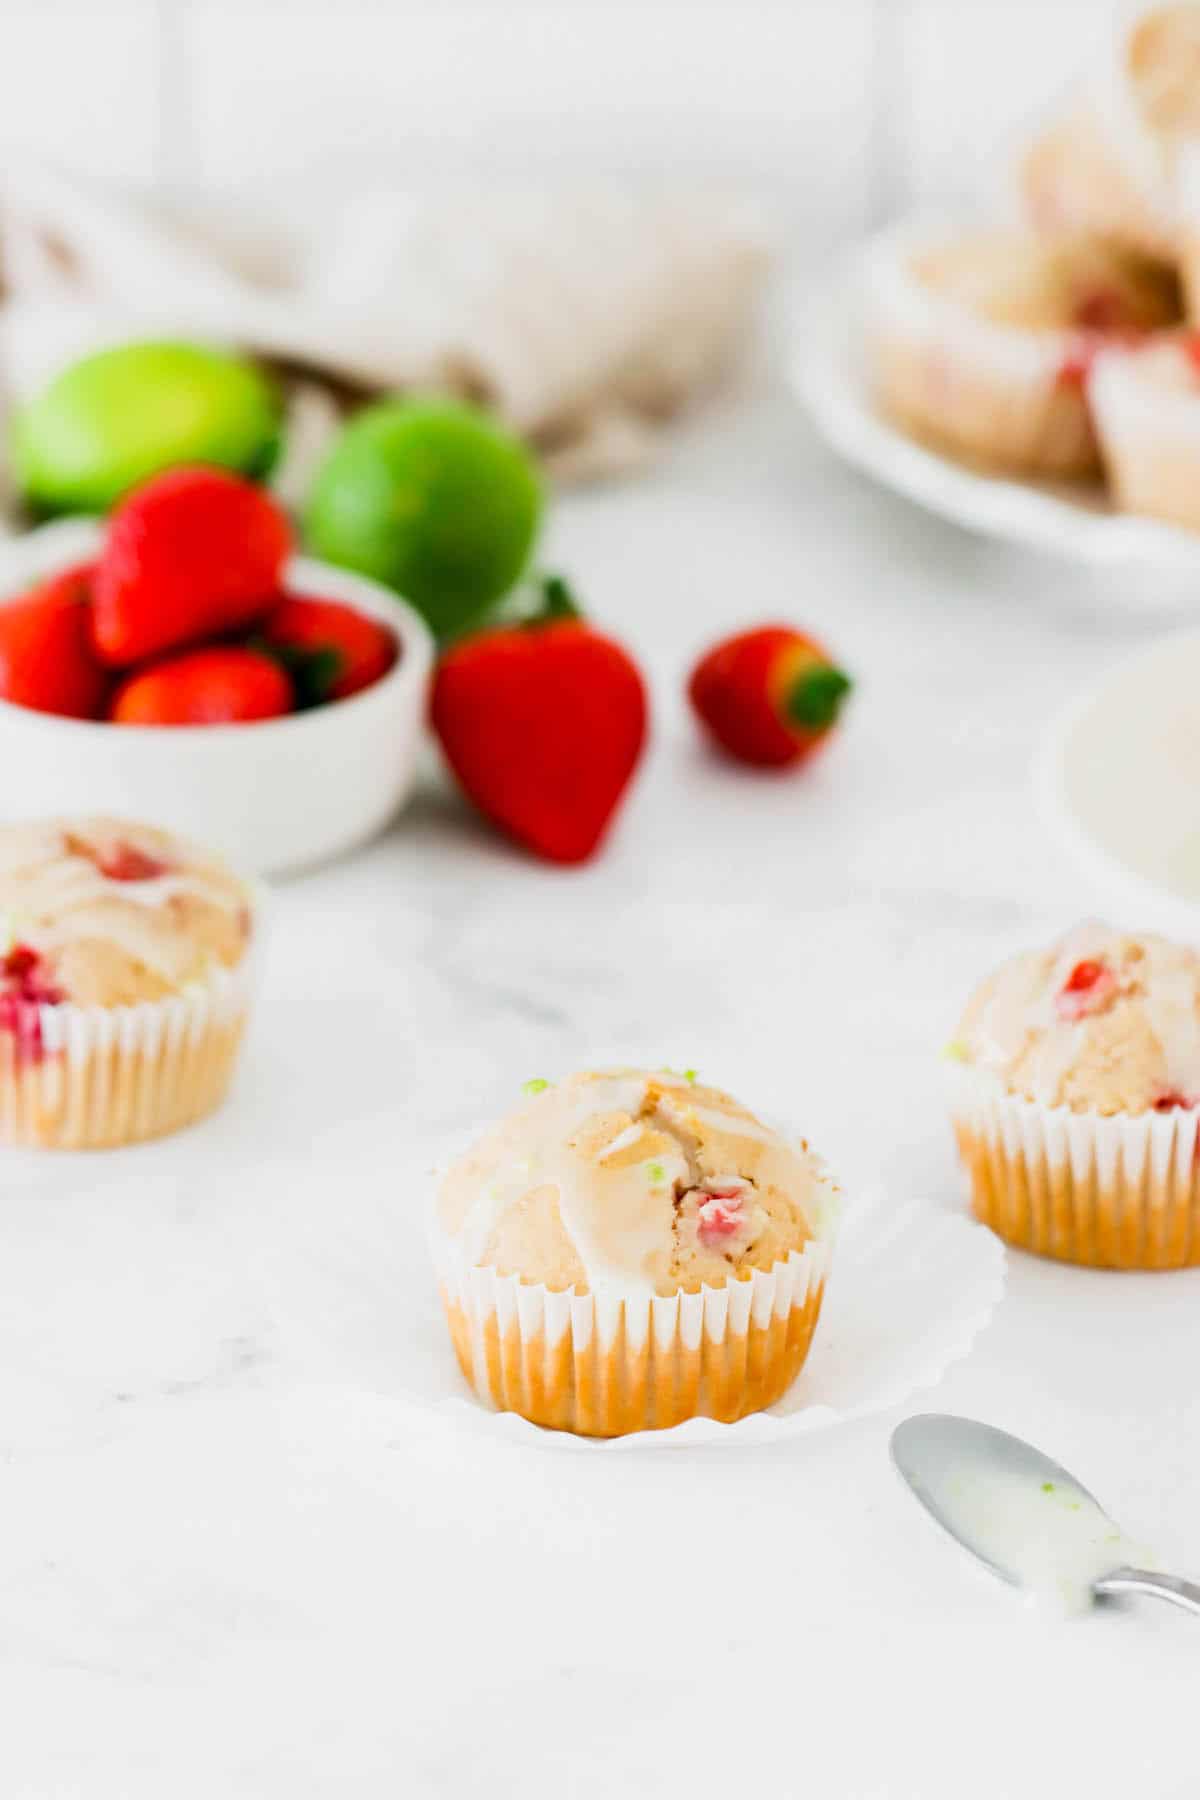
(585, 318)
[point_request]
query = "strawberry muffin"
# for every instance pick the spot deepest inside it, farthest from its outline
(981, 344)
(1110, 164)
(124, 966)
(629, 1250)
(1146, 404)
(1075, 1098)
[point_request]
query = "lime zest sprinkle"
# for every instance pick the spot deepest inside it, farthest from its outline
(689, 1075)
(955, 1051)
(656, 1172)
(535, 1086)
(1047, 1487)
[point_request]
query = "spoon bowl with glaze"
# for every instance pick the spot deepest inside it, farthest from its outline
(1025, 1517)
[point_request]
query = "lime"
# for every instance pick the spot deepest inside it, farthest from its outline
(432, 498)
(107, 423)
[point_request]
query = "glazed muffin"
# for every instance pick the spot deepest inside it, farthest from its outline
(981, 344)
(1075, 1095)
(630, 1249)
(1109, 165)
(124, 965)
(1146, 404)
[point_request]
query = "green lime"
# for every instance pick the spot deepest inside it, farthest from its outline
(432, 498)
(107, 423)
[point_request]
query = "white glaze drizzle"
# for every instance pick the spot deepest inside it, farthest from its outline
(1052, 1538)
(61, 896)
(1020, 1014)
(617, 1241)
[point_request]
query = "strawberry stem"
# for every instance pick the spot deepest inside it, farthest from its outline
(815, 698)
(558, 600)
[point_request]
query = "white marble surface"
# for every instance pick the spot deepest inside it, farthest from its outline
(209, 1589)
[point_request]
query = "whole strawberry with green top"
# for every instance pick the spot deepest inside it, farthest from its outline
(543, 723)
(768, 696)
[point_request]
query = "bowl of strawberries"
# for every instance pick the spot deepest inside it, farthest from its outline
(177, 663)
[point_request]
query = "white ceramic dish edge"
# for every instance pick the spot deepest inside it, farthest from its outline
(1134, 897)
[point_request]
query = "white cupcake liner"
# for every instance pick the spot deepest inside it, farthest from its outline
(361, 1341)
(605, 1364)
(1116, 1192)
(93, 1077)
(1150, 441)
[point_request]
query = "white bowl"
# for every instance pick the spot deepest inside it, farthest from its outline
(273, 796)
(1118, 782)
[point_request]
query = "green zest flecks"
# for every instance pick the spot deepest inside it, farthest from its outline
(689, 1075)
(656, 1174)
(955, 1051)
(536, 1086)
(1047, 1487)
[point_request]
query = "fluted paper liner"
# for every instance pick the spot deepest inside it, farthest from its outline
(603, 1365)
(1111, 1193)
(1150, 439)
(92, 1077)
(990, 392)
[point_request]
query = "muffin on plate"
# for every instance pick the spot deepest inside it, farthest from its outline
(1146, 404)
(124, 982)
(1075, 1095)
(981, 344)
(631, 1249)
(1109, 164)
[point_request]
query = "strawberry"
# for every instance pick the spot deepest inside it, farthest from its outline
(46, 656)
(768, 696)
(26, 985)
(191, 554)
(220, 685)
(329, 650)
(719, 1214)
(1088, 989)
(543, 724)
(125, 862)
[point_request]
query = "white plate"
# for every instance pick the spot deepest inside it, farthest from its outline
(829, 373)
(360, 1328)
(1118, 781)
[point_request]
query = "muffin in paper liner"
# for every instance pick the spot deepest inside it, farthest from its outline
(1088, 171)
(1146, 405)
(996, 392)
(1115, 1191)
(93, 1077)
(956, 380)
(604, 1365)
(127, 959)
(1109, 162)
(629, 1249)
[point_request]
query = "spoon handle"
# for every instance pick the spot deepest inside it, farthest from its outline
(1144, 1581)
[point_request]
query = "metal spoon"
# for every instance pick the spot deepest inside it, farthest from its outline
(1025, 1517)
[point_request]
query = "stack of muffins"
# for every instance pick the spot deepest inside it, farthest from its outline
(1070, 347)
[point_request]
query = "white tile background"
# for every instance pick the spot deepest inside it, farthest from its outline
(846, 108)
